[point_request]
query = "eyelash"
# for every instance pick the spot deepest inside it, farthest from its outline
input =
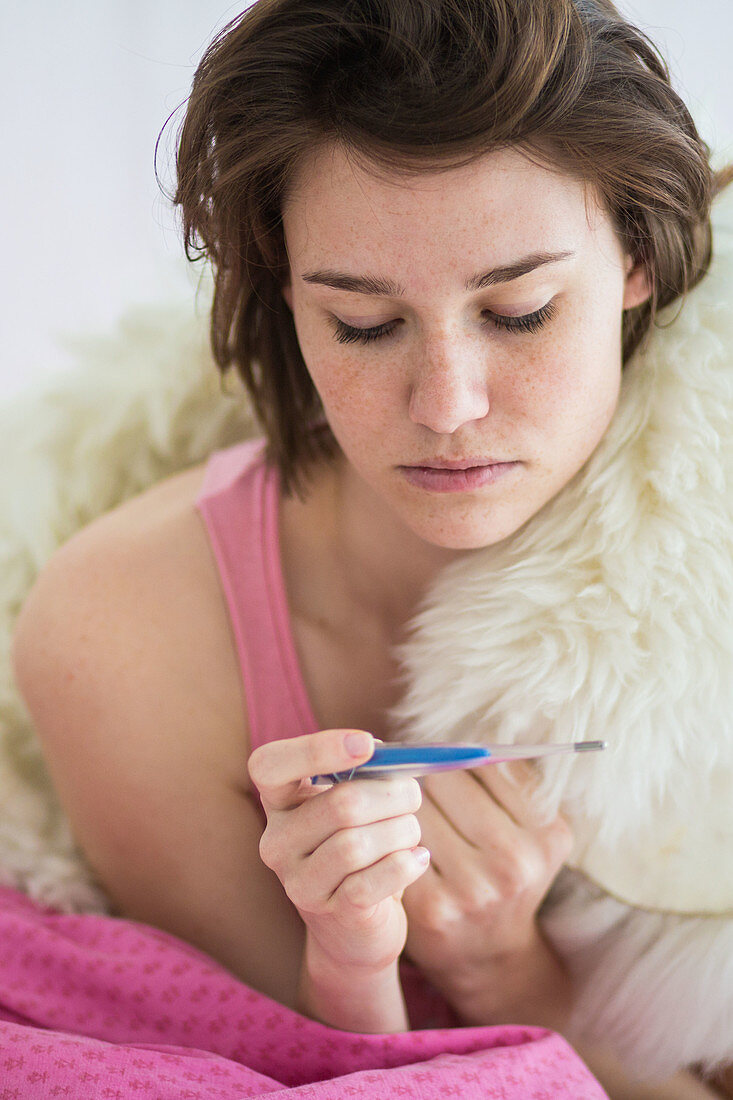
(529, 322)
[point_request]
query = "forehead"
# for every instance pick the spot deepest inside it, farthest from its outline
(340, 210)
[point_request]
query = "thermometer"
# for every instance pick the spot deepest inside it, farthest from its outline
(400, 758)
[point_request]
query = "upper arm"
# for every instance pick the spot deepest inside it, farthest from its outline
(131, 731)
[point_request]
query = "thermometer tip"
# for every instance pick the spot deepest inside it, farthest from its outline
(589, 746)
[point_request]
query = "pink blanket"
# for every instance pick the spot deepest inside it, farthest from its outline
(106, 1009)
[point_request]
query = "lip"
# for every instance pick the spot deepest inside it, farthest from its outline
(442, 479)
(454, 463)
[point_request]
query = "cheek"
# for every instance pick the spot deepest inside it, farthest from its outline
(322, 360)
(353, 386)
(353, 394)
(571, 383)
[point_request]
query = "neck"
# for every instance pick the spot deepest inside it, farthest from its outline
(385, 568)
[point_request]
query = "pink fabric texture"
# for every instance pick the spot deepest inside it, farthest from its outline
(99, 1008)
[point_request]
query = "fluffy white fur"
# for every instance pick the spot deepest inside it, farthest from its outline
(607, 615)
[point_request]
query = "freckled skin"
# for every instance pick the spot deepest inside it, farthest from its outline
(446, 381)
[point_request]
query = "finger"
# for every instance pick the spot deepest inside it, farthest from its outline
(355, 804)
(318, 877)
(295, 833)
(508, 861)
(388, 877)
(513, 786)
(469, 877)
(452, 855)
(477, 815)
(430, 901)
(470, 809)
(278, 768)
(352, 850)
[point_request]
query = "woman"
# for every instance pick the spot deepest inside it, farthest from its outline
(438, 232)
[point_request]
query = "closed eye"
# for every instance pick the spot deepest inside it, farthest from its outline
(527, 323)
(347, 334)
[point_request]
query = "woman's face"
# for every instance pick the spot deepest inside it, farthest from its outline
(473, 316)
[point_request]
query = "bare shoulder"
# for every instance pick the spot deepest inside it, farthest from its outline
(139, 586)
(124, 657)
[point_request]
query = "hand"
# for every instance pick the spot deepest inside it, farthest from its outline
(471, 917)
(344, 854)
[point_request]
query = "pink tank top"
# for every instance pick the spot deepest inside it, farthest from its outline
(239, 505)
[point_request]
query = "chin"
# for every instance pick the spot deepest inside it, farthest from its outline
(468, 536)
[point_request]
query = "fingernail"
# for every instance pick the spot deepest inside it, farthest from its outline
(422, 855)
(358, 742)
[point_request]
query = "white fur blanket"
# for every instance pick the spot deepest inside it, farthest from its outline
(608, 615)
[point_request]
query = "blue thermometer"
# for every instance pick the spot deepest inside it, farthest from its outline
(400, 758)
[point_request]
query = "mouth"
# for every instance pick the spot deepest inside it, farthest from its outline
(455, 463)
(456, 478)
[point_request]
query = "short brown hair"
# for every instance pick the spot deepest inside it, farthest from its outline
(410, 85)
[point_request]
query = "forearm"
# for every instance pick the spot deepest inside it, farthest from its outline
(353, 998)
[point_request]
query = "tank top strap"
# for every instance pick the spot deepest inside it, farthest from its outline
(239, 505)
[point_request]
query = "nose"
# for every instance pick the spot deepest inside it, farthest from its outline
(449, 386)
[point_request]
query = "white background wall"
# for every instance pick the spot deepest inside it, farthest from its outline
(85, 87)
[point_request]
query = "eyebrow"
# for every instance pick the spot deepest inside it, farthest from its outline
(386, 288)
